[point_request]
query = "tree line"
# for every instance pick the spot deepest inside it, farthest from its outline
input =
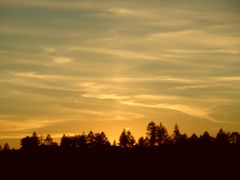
(156, 136)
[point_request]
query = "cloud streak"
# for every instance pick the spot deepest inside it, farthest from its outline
(117, 53)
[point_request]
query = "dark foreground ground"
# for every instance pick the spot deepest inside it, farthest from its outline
(221, 162)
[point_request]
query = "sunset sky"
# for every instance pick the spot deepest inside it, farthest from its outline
(104, 65)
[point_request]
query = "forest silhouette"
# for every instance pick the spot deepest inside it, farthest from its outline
(157, 155)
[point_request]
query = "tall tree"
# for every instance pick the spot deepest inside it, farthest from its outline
(48, 141)
(193, 139)
(234, 138)
(143, 142)
(222, 137)
(162, 134)
(114, 143)
(176, 135)
(81, 141)
(91, 139)
(205, 139)
(65, 142)
(30, 142)
(152, 133)
(101, 140)
(126, 139)
(36, 139)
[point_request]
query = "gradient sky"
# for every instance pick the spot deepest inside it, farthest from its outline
(104, 65)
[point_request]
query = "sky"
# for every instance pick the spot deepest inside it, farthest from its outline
(80, 65)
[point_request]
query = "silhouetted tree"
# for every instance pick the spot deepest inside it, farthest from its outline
(101, 140)
(152, 133)
(143, 142)
(126, 139)
(91, 139)
(114, 143)
(91, 155)
(234, 138)
(6, 147)
(30, 143)
(81, 141)
(176, 135)
(193, 139)
(97, 140)
(157, 135)
(162, 135)
(206, 139)
(35, 138)
(183, 139)
(222, 137)
(48, 140)
(65, 142)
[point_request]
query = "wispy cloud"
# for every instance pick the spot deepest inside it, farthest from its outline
(52, 4)
(157, 79)
(123, 11)
(100, 91)
(228, 78)
(62, 60)
(104, 96)
(118, 53)
(131, 12)
(28, 124)
(206, 51)
(178, 107)
(199, 38)
(200, 86)
(35, 75)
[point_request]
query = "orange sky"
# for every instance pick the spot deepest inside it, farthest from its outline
(68, 67)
